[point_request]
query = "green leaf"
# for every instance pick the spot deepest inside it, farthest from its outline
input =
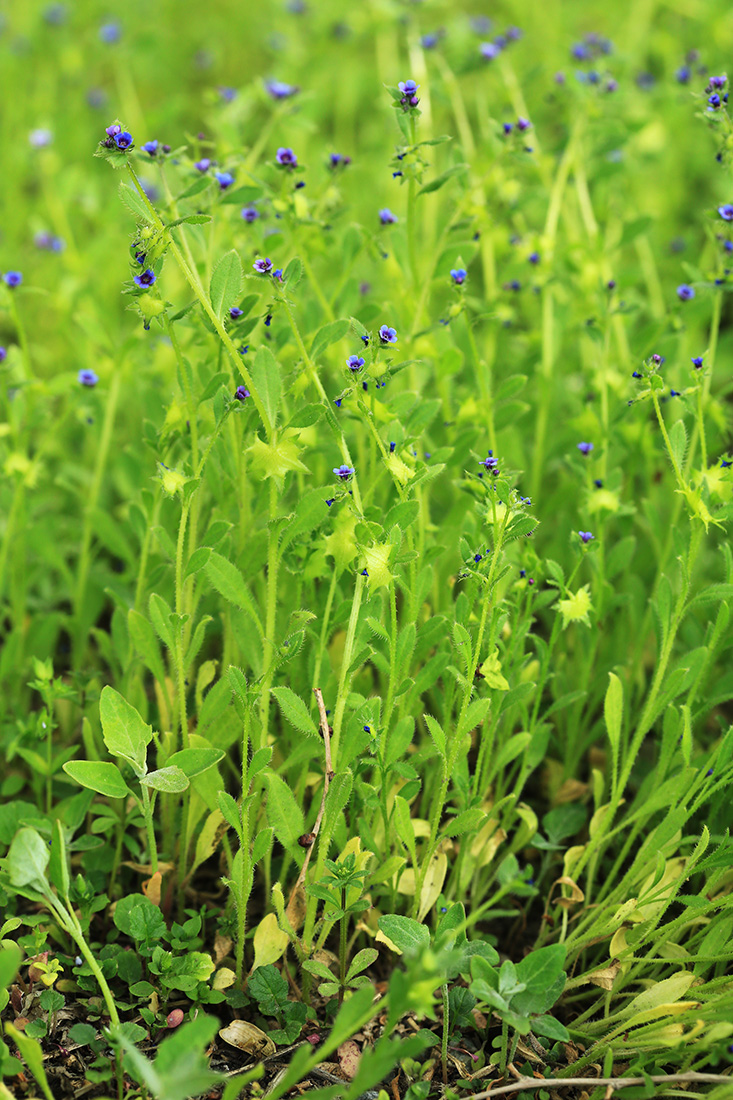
(295, 710)
(160, 614)
(283, 812)
(442, 179)
(125, 734)
(170, 780)
(134, 203)
(10, 959)
(195, 761)
(338, 795)
(226, 282)
(361, 960)
(228, 582)
(269, 989)
(436, 732)
(32, 1055)
(543, 973)
(293, 273)
(104, 777)
(145, 643)
(27, 860)
(407, 934)
(329, 334)
(137, 917)
(265, 372)
(678, 441)
(613, 710)
(550, 1028)
(230, 811)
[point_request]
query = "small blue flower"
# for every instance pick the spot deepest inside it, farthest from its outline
(40, 139)
(235, 312)
(392, 446)
(685, 292)
(726, 212)
(150, 147)
(674, 393)
(714, 102)
(12, 279)
(585, 448)
(386, 216)
(477, 558)
(147, 278)
(364, 339)
(364, 573)
(533, 258)
(224, 179)
(355, 362)
(458, 275)
(263, 266)
(586, 536)
(683, 74)
(429, 41)
(367, 729)
(490, 463)
(522, 572)
(278, 89)
(330, 501)
(3, 354)
(87, 378)
(250, 214)
(286, 158)
(508, 127)
(241, 394)
(300, 185)
(523, 124)
(598, 483)
(409, 93)
(203, 165)
(338, 160)
(110, 33)
(489, 51)
(344, 472)
(724, 463)
(338, 402)
(697, 362)
(228, 94)
(387, 335)
(123, 140)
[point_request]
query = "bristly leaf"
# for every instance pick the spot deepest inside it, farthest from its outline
(124, 731)
(227, 281)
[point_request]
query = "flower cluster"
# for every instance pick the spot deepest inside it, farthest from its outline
(409, 94)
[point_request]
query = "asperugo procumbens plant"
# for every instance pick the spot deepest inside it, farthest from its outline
(316, 705)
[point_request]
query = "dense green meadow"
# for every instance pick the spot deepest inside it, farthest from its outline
(365, 494)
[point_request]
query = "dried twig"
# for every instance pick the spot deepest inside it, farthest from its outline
(613, 1082)
(326, 731)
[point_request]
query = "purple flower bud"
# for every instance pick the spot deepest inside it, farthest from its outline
(386, 216)
(150, 147)
(408, 87)
(585, 536)
(250, 214)
(337, 160)
(683, 74)
(264, 267)
(718, 81)
(330, 501)
(203, 165)
(286, 158)
(355, 363)
(458, 275)
(429, 41)
(235, 312)
(12, 279)
(726, 212)
(147, 278)
(585, 448)
(697, 362)
(533, 258)
(241, 394)
(3, 354)
(87, 378)
(113, 130)
(228, 94)
(523, 124)
(685, 292)
(224, 179)
(658, 359)
(387, 335)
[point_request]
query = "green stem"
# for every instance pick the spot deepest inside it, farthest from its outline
(446, 1026)
(343, 938)
(270, 647)
(196, 287)
(411, 213)
(91, 506)
(345, 663)
(180, 657)
(147, 810)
